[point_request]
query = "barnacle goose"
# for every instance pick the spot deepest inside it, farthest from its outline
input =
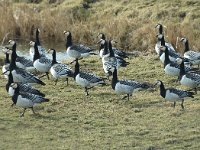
(42, 64)
(194, 57)
(21, 75)
(171, 68)
(23, 87)
(86, 80)
(40, 48)
(190, 79)
(159, 42)
(26, 100)
(172, 54)
(126, 86)
(59, 70)
(76, 51)
(21, 62)
(117, 51)
(173, 94)
(109, 60)
(6, 65)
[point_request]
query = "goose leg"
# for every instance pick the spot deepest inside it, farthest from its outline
(174, 104)
(128, 96)
(32, 110)
(47, 74)
(22, 115)
(56, 81)
(86, 90)
(67, 81)
(182, 104)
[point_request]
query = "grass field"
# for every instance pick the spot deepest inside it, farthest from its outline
(103, 120)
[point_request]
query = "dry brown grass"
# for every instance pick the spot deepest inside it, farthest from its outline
(131, 23)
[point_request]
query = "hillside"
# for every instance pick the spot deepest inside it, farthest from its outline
(130, 22)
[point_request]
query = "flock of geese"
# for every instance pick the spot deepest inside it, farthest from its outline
(22, 73)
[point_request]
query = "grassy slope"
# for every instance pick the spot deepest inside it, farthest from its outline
(102, 120)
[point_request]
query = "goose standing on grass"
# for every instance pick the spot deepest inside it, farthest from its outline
(194, 57)
(109, 60)
(86, 80)
(117, 52)
(21, 75)
(23, 87)
(190, 79)
(59, 70)
(171, 68)
(40, 48)
(6, 65)
(42, 64)
(21, 62)
(76, 51)
(172, 54)
(127, 87)
(26, 100)
(173, 95)
(158, 44)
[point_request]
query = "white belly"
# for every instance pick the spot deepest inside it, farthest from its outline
(82, 82)
(171, 70)
(171, 97)
(188, 82)
(41, 67)
(23, 102)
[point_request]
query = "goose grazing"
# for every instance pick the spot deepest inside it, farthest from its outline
(163, 43)
(21, 75)
(126, 86)
(21, 62)
(76, 51)
(86, 80)
(59, 70)
(26, 100)
(6, 65)
(171, 68)
(188, 78)
(23, 87)
(194, 57)
(42, 64)
(117, 52)
(40, 48)
(173, 95)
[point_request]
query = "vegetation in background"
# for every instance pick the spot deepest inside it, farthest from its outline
(130, 22)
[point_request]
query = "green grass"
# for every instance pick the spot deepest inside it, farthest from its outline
(103, 120)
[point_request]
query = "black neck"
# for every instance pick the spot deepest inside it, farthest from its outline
(54, 57)
(114, 79)
(37, 37)
(15, 96)
(77, 68)
(13, 58)
(69, 41)
(162, 40)
(182, 69)
(187, 46)
(162, 90)
(167, 61)
(111, 50)
(10, 80)
(105, 51)
(6, 60)
(36, 53)
(161, 29)
(103, 36)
